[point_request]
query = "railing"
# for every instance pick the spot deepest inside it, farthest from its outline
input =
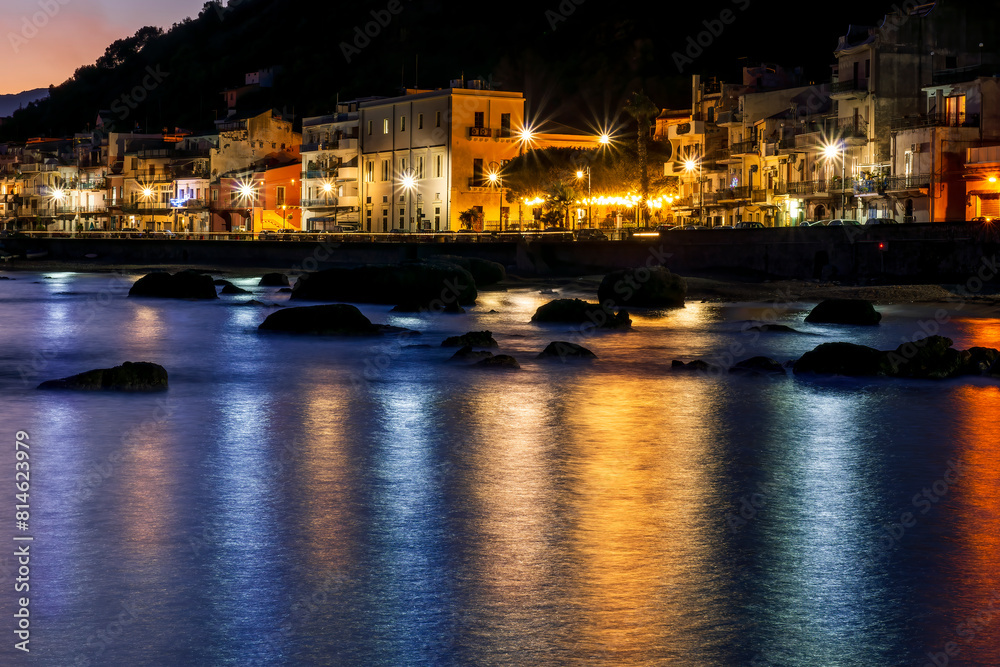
(730, 194)
(758, 196)
(320, 173)
(317, 203)
(907, 182)
(960, 74)
(743, 148)
(728, 117)
(852, 127)
(935, 120)
(480, 132)
(295, 236)
(91, 185)
(848, 86)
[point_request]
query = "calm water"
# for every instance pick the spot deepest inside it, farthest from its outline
(355, 502)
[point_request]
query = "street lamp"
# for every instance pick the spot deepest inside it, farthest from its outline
(408, 181)
(689, 166)
(147, 195)
(830, 152)
(579, 175)
(496, 178)
(247, 194)
(327, 189)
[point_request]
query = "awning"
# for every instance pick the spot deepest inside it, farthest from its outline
(983, 194)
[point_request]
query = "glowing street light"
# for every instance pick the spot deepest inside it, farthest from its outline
(830, 152)
(408, 181)
(690, 165)
(579, 175)
(495, 177)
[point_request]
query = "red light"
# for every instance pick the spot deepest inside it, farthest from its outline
(881, 246)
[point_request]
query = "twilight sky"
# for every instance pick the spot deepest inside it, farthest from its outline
(42, 42)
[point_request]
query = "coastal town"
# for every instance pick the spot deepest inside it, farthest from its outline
(906, 130)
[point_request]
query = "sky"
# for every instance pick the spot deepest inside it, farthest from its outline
(43, 42)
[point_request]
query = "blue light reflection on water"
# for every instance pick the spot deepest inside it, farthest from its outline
(280, 512)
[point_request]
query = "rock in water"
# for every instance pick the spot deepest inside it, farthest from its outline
(330, 320)
(771, 328)
(499, 361)
(758, 366)
(575, 311)
(451, 308)
(483, 271)
(182, 285)
(273, 280)
(138, 376)
(844, 311)
(979, 360)
(930, 358)
(229, 288)
(562, 350)
(643, 288)
(698, 365)
(473, 339)
(468, 354)
(843, 359)
(425, 283)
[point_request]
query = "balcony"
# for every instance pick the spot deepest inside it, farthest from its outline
(729, 118)
(734, 194)
(91, 185)
(935, 120)
(480, 132)
(347, 174)
(959, 74)
(743, 148)
(320, 202)
(758, 196)
(907, 182)
(853, 128)
(850, 88)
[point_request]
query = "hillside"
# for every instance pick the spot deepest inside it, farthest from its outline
(576, 60)
(11, 103)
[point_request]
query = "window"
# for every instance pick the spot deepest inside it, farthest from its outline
(868, 67)
(385, 126)
(402, 123)
(505, 125)
(279, 195)
(369, 172)
(438, 169)
(477, 172)
(420, 166)
(370, 128)
(420, 121)
(385, 170)
(402, 166)
(437, 119)
(480, 119)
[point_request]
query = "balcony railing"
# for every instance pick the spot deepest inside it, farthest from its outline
(960, 74)
(731, 194)
(480, 132)
(907, 182)
(743, 148)
(852, 127)
(935, 120)
(848, 86)
(758, 196)
(728, 117)
(319, 202)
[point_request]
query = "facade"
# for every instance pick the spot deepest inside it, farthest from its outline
(330, 184)
(428, 155)
(982, 182)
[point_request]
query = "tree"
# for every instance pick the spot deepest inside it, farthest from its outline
(468, 218)
(560, 197)
(642, 109)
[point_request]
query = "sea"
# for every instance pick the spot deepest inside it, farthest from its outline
(305, 500)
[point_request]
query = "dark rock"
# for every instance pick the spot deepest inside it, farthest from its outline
(758, 366)
(562, 350)
(229, 288)
(138, 376)
(219, 281)
(979, 360)
(473, 338)
(468, 354)
(643, 288)
(6, 278)
(844, 311)
(843, 359)
(483, 271)
(330, 320)
(772, 328)
(273, 280)
(428, 283)
(696, 365)
(931, 358)
(499, 361)
(182, 285)
(575, 311)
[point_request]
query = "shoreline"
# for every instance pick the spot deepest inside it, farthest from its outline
(701, 288)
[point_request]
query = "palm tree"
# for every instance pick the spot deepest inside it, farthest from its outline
(640, 107)
(560, 197)
(468, 218)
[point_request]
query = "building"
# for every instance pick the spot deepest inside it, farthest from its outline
(330, 175)
(429, 155)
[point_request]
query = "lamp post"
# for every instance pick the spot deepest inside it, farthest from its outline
(408, 182)
(830, 152)
(247, 195)
(327, 189)
(147, 195)
(689, 166)
(579, 175)
(496, 178)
